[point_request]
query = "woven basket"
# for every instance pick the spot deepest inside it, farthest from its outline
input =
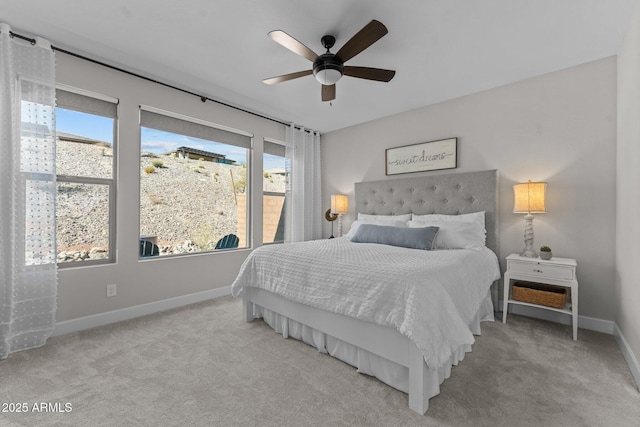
(538, 293)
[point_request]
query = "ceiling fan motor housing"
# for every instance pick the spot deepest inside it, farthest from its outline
(328, 68)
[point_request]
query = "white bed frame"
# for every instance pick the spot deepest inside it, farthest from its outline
(448, 194)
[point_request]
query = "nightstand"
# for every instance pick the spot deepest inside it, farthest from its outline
(556, 271)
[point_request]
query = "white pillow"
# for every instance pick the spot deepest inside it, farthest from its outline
(403, 217)
(474, 217)
(357, 223)
(454, 234)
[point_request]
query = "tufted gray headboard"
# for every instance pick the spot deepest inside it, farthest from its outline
(452, 194)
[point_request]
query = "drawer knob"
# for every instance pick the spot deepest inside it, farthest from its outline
(538, 270)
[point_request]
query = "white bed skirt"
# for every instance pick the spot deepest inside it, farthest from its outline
(391, 373)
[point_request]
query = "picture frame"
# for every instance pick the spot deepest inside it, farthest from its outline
(424, 156)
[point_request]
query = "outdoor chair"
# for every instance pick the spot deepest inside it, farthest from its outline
(229, 241)
(148, 249)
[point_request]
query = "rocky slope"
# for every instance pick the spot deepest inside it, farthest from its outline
(187, 204)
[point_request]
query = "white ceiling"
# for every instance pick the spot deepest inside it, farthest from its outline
(441, 49)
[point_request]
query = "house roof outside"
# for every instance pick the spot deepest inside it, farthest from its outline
(206, 155)
(65, 136)
(34, 129)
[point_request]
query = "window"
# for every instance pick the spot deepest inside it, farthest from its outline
(35, 182)
(193, 185)
(273, 189)
(85, 152)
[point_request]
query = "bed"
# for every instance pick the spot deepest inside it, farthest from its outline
(406, 327)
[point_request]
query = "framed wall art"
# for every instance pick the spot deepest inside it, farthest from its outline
(425, 156)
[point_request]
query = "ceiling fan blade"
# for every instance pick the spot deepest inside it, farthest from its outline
(368, 35)
(292, 44)
(377, 74)
(285, 77)
(328, 93)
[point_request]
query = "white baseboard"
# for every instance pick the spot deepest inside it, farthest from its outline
(584, 322)
(88, 322)
(631, 359)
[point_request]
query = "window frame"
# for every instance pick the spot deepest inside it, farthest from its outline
(111, 183)
(24, 177)
(143, 109)
(267, 141)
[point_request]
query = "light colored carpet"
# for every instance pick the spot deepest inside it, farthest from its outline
(202, 366)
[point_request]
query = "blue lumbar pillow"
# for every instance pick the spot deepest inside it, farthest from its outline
(414, 238)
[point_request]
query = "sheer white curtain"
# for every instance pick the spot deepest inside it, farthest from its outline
(28, 277)
(303, 197)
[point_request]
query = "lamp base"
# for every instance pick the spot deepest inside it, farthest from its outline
(528, 250)
(529, 253)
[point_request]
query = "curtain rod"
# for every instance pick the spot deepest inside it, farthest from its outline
(203, 98)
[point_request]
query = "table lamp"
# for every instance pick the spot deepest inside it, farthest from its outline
(330, 217)
(339, 205)
(529, 198)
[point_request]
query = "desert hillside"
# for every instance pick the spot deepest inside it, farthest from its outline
(187, 204)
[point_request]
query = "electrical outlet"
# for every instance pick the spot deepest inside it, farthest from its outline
(112, 290)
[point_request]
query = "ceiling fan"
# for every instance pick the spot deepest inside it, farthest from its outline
(329, 67)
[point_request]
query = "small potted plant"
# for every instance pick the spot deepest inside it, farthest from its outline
(545, 252)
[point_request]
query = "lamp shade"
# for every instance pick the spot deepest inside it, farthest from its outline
(339, 204)
(529, 197)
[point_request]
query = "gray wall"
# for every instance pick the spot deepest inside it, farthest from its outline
(559, 128)
(82, 290)
(627, 289)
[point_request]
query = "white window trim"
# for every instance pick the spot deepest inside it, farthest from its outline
(248, 186)
(111, 183)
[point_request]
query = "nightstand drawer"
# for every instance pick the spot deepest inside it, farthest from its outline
(542, 270)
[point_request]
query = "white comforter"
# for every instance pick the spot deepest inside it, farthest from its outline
(429, 296)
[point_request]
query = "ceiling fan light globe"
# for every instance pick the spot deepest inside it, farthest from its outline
(327, 76)
(327, 69)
